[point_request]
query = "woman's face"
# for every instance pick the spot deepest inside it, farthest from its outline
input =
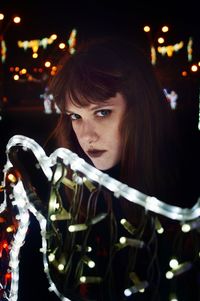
(97, 128)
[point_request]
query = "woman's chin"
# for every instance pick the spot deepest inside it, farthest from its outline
(103, 167)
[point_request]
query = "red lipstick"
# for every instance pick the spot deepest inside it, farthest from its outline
(95, 153)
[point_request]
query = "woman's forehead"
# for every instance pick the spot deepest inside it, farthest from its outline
(117, 100)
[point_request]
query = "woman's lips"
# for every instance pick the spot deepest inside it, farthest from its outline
(95, 153)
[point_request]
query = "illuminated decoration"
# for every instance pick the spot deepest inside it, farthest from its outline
(19, 195)
(72, 41)
(170, 49)
(3, 49)
(35, 44)
(171, 98)
(178, 270)
(194, 68)
(153, 55)
(49, 104)
(189, 49)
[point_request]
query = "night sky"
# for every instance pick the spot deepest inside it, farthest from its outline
(92, 18)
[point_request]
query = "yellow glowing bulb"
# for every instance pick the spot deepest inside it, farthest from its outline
(12, 178)
(16, 20)
(146, 28)
(165, 28)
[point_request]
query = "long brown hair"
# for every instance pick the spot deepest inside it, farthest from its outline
(96, 72)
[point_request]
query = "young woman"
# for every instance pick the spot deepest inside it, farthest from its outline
(110, 87)
(116, 117)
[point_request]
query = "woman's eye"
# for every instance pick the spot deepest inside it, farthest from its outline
(103, 113)
(74, 116)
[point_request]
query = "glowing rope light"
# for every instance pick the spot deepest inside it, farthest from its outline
(19, 194)
(21, 201)
(118, 188)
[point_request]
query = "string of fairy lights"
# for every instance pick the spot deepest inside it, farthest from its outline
(20, 203)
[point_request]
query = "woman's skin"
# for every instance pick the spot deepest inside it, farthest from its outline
(97, 128)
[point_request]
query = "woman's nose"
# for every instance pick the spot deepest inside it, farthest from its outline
(88, 132)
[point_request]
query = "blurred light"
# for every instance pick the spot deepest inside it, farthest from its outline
(53, 72)
(12, 178)
(61, 267)
(35, 55)
(5, 244)
(194, 68)
(17, 20)
(1, 16)
(62, 46)
(16, 69)
(161, 40)
(51, 257)
(165, 28)
(185, 228)
(147, 28)
(10, 229)
(53, 36)
(173, 263)
(184, 73)
(23, 71)
(47, 64)
(16, 77)
(8, 276)
(169, 275)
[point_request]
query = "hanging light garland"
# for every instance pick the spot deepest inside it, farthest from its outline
(170, 49)
(35, 44)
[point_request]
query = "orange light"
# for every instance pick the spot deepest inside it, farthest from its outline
(5, 245)
(184, 73)
(8, 276)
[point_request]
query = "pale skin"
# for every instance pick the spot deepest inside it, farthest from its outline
(97, 128)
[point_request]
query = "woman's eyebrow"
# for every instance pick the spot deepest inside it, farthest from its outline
(93, 107)
(99, 106)
(68, 111)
